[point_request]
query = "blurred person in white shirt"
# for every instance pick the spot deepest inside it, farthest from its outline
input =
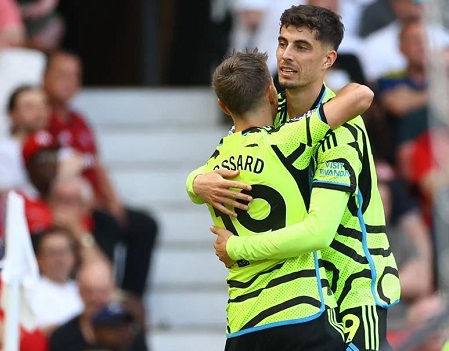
(55, 299)
(28, 112)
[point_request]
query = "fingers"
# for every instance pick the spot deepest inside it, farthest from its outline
(233, 198)
(226, 173)
(216, 230)
(220, 207)
(231, 191)
(239, 185)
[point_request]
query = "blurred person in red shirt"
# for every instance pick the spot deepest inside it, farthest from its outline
(67, 201)
(62, 81)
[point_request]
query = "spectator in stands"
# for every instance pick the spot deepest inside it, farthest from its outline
(404, 96)
(255, 24)
(40, 156)
(429, 163)
(55, 298)
(374, 16)
(28, 112)
(44, 26)
(381, 50)
(429, 169)
(18, 66)
(410, 241)
(67, 203)
(347, 67)
(62, 81)
(71, 202)
(117, 328)
(12, 32)
(97, 290)
(421, 315)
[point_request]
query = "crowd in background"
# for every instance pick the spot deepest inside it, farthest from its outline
(48, 153)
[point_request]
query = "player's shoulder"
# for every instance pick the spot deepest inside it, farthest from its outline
(356, 122)
(351, 129)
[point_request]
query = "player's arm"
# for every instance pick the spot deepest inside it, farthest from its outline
(352, 100)
(316, 232)
(216, 189)
(190, 182)
(330, 194)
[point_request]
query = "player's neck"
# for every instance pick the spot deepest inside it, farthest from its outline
(259, 118)
(300, 100)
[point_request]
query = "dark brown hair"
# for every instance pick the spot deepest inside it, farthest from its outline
(325, 23)
(241, 80)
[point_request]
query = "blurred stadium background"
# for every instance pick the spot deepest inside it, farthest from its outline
(156, 120)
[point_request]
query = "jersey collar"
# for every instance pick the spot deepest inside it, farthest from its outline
(319, 99)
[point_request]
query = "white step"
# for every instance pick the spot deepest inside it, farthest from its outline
(152, 187)
(195, 307)
(186, 340)
(150, 146)
(148, 106)
(188, 267)
(186, 226)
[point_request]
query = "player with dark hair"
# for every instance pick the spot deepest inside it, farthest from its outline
(275, 304)
(340, 184)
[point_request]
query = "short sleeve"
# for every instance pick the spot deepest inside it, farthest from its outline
(338, 159)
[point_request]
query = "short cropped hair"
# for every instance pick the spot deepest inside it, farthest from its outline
(326, 24)
(241, 80)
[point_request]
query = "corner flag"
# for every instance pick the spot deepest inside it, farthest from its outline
(20, 272)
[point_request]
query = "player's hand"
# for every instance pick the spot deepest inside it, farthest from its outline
(220, 245)
(215, 189)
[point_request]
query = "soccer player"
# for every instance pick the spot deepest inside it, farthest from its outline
(275, 304)
(359, 263)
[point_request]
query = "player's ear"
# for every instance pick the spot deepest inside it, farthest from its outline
(329, 59)
(223, 107)
(272, 93)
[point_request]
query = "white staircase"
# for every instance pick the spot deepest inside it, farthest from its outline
(149, 140)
